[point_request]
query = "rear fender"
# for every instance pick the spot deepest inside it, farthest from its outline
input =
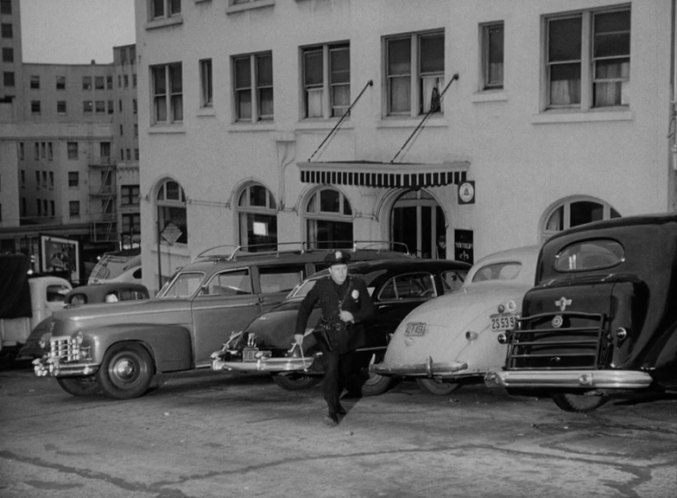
(169, 345)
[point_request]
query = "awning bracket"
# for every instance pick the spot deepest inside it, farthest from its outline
(424, 119)
(340, 121)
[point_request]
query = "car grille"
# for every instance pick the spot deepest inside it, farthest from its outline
(66, 348)
(558, 341)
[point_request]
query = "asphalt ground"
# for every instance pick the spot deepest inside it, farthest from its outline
(210, 434)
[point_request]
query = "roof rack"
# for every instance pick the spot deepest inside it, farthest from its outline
(230, 252)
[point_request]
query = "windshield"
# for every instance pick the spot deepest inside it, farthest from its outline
(183, 285)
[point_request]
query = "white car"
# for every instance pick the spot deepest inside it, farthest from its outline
(452, 339)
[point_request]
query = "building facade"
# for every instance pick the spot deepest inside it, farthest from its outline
(457, 127)
(68, 152)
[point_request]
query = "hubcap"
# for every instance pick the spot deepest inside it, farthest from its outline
(125, 370)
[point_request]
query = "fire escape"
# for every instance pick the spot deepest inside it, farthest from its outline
(103, 199)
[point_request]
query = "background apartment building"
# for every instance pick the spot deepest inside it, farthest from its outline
(490, 124)
(68, 153)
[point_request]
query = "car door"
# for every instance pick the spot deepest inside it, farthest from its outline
(226, 303)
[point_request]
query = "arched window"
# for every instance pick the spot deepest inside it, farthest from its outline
(171, 212)
(574, 212)
(257, 217)
(329, 219)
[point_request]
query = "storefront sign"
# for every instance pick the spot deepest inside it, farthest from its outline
(463, 246)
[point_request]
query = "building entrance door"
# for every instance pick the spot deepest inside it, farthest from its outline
(418, 221)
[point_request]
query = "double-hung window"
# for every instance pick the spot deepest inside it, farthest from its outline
(206, 88)
(588, 59)
(253, 87)
(164, 8)
(414, 67)
(167, 93)
(326, 80)
(492, 56)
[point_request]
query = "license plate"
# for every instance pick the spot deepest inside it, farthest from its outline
(249, 354)
(415, 329)
(502, 321)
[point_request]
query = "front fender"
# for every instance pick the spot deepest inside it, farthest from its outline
(169, 345)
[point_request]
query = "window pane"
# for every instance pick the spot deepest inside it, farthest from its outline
(565, 84)
(244, 105)
(242, 73)
(564, 39)
(266, 102)
(340, 65)
(400, 94)
(172, 191)
(264, 70)
(177, 108)
(432, 54)
(312, 63)
(257, 196)
(159, 83)
(329, 201)
(585, 212)
(175, 82)
(399, 56)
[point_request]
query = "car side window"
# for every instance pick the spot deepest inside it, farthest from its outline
(184, 285)
(56, 293)
(279, 278)
(230, 283)
(78, 299)
(409, 286)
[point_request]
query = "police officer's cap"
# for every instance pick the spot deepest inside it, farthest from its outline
(337, 258)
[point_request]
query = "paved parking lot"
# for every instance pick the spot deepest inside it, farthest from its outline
(205, 434)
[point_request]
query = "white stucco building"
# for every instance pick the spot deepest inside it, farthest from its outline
(561, 114)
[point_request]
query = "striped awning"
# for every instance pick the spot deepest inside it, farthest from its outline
(384, 175)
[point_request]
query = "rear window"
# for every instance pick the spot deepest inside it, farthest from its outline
(56, 293)
(508, 270)
(589, 255)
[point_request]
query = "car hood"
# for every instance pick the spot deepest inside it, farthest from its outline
(153, 311)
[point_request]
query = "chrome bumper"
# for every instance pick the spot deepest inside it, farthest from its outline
(50, 365)
(264, 365)
(428, 369)
(593, 379)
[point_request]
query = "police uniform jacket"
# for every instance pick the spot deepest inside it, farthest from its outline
(351, 296)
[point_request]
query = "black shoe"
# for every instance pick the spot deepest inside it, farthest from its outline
(331, 420)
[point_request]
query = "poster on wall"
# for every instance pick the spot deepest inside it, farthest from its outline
(60, 256)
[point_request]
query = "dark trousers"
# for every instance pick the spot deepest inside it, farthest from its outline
(338, 375)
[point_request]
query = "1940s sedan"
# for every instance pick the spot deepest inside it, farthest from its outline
(601, 320)
(118, 348)
(451, 340)
(396, 287)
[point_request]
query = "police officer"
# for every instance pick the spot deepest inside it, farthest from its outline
(345, 302)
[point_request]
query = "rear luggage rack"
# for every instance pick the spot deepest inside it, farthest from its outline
(231, 252)
(558, 341)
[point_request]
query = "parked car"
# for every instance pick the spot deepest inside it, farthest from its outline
(451, 340)
(119, 348)
(111, 292)
(117, 266)
(396, 287)
(601, 320)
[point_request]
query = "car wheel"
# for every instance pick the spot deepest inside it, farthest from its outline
(126, 371)
(578, 402)
(376, 384)
(79, 386)
(296, 382)
(437, 386)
